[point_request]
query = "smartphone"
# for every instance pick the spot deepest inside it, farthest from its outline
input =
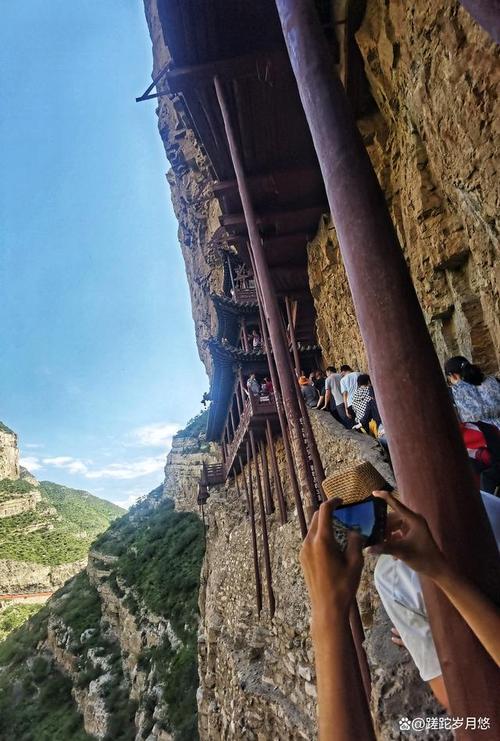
(367, 517)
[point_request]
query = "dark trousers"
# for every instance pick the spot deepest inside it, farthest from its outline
(343, 418)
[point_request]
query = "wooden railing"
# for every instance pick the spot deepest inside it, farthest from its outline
(260, 406)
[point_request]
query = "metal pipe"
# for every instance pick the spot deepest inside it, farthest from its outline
(276, 474)
(293, 339)
(429, 458)
(283, 426)
(266, 480)
(263, 524)
(270, 302)
(256, 567)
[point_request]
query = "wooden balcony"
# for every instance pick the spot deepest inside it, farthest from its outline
(214, 474)
(256, 410)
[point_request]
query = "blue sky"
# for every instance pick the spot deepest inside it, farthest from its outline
(98, 362)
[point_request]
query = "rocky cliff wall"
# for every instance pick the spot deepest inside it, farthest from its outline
(433, 141)
(9, 454)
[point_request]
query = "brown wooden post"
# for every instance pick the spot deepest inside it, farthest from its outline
(268, 498)
(429, 457)
(272, 314)
(263, 523)
(236, 484)
(276, 474)
(244, 334)
(293, 339)
(245, 488)
(284, 432)
(258, 580)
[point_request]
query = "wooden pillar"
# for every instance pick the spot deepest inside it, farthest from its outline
(245, 488)
(263, 522)
(236, 484)
(262, 276)
(244, 335)
(258, 581)
(293, 339)
(268, 498)
(284, 433)
(429, 457)
(276, 474)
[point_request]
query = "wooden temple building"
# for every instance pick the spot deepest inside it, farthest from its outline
(272, 91)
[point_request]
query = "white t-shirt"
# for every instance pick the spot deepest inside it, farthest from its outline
(333, 383)
(349, 384)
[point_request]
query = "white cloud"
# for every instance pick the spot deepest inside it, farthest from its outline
(157, 435)
(73, 465)
(128, 470)
(131, 498)
(32, 446)
(30, 462)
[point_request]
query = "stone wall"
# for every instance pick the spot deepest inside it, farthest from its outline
(434, 76)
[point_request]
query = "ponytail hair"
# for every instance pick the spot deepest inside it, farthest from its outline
(467, 371)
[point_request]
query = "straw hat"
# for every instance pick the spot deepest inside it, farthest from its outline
(354, 484)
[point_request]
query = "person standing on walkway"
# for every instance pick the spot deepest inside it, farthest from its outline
(333, 394)
(348, 387)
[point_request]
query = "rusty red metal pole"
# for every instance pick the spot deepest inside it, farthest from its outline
(293, 339)
(487, 14)
(429, 458)
(276, 473)
(284, 431)
(272, 314)
(258, 580)
(263, 524)
(265, 479)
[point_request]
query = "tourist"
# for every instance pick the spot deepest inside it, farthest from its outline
(255, 340)
(308, 391)
(476, 396)
(333, 395)
(348, 387)
(319, 380)
(267, 386)
(332, 577)
(367, 417)
(410, 548)
(253, 387)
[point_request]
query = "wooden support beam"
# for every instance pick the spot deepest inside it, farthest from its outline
(276, 473)
(254, 64)
(285, 220)
(268, 497)
(290, 464)
(263, 524)
(258, 580)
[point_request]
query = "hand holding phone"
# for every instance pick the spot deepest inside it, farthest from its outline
(367, 517)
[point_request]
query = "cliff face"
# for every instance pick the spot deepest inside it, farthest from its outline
(9, 454)
(118, 642)
(431, 139)
(434, 76)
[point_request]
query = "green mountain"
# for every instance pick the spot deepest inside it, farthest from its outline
(61, 527)
(119, 638)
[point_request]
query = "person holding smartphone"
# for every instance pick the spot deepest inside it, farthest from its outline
(332, 577)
